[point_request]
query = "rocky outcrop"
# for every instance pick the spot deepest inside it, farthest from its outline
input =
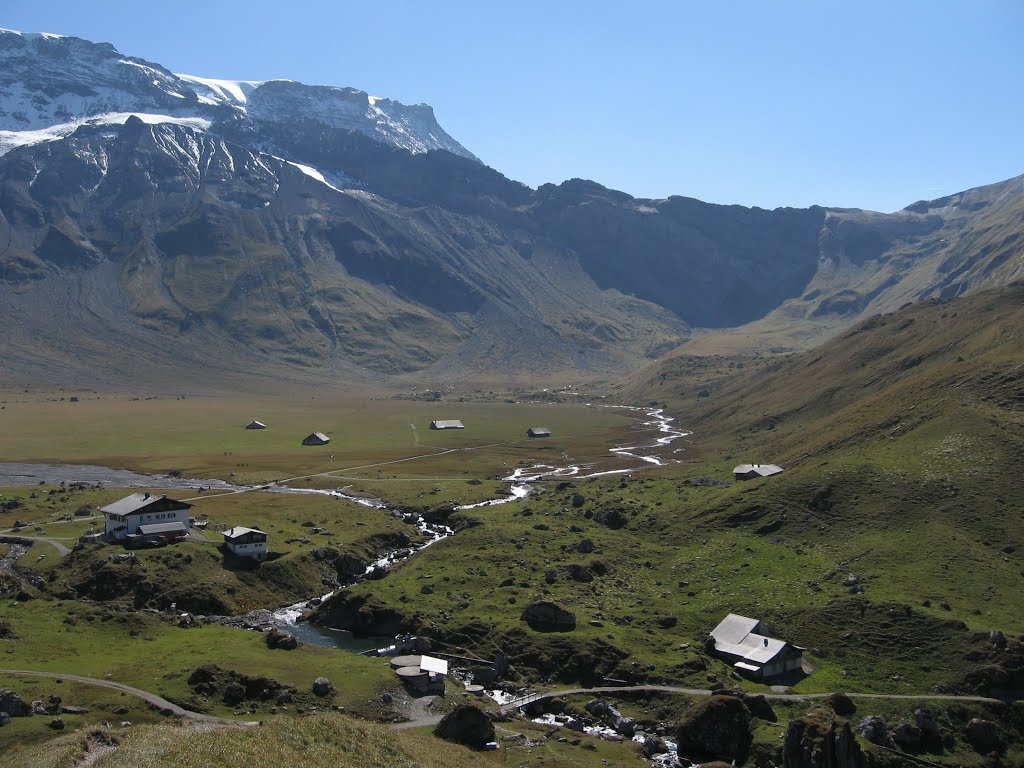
(278, 639)
(546, 616)
(13, 705)
(610, 716)
(718, 728)
(466, 725)
(983, 735)
(821, 740)
(233, 687)
(323, 687)
(363, 614)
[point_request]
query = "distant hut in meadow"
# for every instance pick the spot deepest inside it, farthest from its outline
(752, 471)
(255, 425)
(447, 424)
(538, 432)
(316, 438)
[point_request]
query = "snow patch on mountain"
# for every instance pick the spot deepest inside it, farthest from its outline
(11, 139)
(48, 82)
(214, 91)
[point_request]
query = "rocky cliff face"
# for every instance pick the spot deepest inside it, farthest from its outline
(821, 740)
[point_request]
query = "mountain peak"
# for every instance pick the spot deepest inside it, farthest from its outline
(48, 81)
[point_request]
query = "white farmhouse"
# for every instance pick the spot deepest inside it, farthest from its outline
(246, 542)
(143, 514)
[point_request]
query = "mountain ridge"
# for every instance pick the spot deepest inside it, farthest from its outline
(321, 245)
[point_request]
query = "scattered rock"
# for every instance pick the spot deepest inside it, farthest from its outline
(578, 500)
(907, 737)
(585, 547)
(122, 710)
(997, 638)
(718, 728)
(13, 705)
(5, 719)
(842, 704)
(466, 725)
(323, 687)
(546, 616)
(57, 724)
(653, 745)
(234, 694)
(667, 622)
(282, 640)
(875, 730)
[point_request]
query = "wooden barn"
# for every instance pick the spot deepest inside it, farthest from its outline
(316, 438)
(446, 424)
(255, 425)
(538, 432)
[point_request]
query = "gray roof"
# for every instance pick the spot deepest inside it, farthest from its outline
(240, 530)
(318, 436)
(137, 503)
(764, 470)
(255, 425)
(539, 430)
(157, 528)
(733, 628)
(735, 636)
(447, 424)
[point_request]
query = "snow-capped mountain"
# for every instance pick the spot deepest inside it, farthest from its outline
(50, 84)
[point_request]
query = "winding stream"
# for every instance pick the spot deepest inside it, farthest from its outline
(521, 480)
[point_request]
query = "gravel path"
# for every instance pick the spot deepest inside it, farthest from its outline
(152, 698)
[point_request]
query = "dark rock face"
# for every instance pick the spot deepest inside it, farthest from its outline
(546, 616)
(760, 708)
(718, 728)
(907, 737)
(362, 614)
(842, 704)
(12, 704)
(466, 725)
(983, 735)
(820, 740)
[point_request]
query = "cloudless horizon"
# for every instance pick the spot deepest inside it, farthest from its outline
(864, 105)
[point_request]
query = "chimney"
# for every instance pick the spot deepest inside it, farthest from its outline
(146, 496)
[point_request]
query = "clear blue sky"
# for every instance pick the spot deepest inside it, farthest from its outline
(857, 103)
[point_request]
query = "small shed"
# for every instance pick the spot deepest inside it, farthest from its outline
(246, 542)
(316, 438)
(255, 425)
(538, 432)
(752, 471)
(447, 424)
